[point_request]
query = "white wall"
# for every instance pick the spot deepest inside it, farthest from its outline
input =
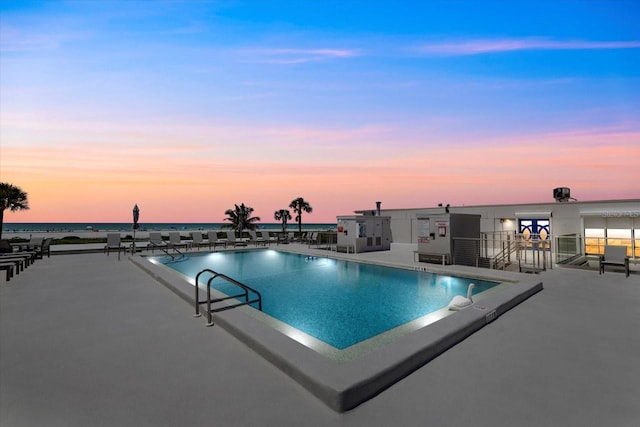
(566, 217)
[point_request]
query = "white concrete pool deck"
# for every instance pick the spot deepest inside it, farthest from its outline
(86, 339)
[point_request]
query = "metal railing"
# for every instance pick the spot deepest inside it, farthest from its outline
(164, 247)
(245, 294)
(502, 259)
(533, 254)
(595, 245)
(499, 250)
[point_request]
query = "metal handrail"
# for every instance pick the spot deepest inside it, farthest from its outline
(168, 246)
(246, 289)
(504, 255)
(535, 247)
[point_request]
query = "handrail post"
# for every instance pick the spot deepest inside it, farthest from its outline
(209, 315)
(197, 296)
(244, 287)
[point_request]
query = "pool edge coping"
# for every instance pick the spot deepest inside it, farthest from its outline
(344, 385)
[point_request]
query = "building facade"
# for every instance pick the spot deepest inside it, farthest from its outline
(571, 228)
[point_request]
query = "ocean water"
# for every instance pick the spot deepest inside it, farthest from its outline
(123, 226)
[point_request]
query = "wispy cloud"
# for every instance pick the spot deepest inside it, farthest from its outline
(480, 46)
(299, 56)
(14, 39)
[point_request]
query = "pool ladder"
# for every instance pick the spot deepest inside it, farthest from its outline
(245, 293)
(165, 249)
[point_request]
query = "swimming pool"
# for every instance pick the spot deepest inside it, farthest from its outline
(345, 378)
(339, 302)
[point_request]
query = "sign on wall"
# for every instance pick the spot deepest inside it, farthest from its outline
(423, 230)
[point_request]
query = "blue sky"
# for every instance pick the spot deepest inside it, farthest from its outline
(341, 102)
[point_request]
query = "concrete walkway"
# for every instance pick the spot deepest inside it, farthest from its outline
(90, 340)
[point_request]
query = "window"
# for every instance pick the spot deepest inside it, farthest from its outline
(594, 241)
(619, 237)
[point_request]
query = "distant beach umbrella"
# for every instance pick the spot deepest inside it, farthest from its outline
(136, 216)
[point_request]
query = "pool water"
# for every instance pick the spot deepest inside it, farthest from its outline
(338, 302)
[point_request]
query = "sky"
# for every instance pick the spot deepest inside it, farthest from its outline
(189, 107)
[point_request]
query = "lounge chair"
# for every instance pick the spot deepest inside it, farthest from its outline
(5, 247)
(198, 241)
(175, 241)
(267, 238)
(9, 268)
(155, 241)
(34, 242)
(44, 248)
(114, 243)
(253, 238)
(6, 252)
(19, 259)
(231, 238)
(313, 239)
(214, 241)
(282, 238)
(615, 255)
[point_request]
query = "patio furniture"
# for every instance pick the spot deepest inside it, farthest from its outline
(198, 241)
(44, 248)
(615, 255)
(267, 238)
(231, 238)
(114, 243)
(253, 238)
(175, 241)
(214, 241)
(8, 267)
(155, 241)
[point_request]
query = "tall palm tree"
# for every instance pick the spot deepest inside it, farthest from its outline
(240, 218)
(12, 198)
(300, 205)
(282, 215)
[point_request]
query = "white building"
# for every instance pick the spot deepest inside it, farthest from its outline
(567, 230)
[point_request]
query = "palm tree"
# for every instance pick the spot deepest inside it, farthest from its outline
(282, 215)
(12, 198)
(240, 218)
(300, 205)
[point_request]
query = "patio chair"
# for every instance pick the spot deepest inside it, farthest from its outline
(231, 238)
(282, 238)
(313, 239)
(7, 251)
(253, 238)
(19, 261)
(214, 241)
(155, 241)
(9, 268)
(175, 241)
(268, 239)
(33, 243)
(615, 255)
(198, 241)
(44, 248)
(5, 247)
(114, 243)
